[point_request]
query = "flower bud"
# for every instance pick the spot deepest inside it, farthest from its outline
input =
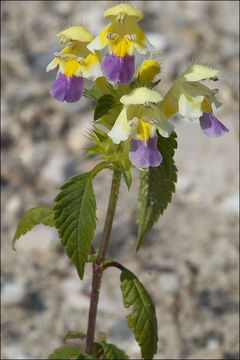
(148, 70)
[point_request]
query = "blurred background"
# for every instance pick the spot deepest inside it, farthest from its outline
(189, 261)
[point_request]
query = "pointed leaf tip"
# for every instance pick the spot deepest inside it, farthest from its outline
(142, 320)
(38, 215)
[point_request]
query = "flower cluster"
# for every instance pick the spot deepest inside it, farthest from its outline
(143, 114)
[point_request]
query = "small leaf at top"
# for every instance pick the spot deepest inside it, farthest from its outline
(104, 104)
(156, 186)
(38, 215)
(142, 320)
(92, 93)
(66, 352)
(75, 218)
(72, 334)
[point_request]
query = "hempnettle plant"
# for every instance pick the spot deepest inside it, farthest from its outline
(131, 128)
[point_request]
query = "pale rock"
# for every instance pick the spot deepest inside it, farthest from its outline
(169, 283)
(184, 184)
(157, 40)
(40, 239)
(230, 204)
(15, 352)
(54, 170)
(12, 293)
(77, 137)
(75, 294)
(13, 205)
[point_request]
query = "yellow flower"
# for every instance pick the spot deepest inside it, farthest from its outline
(76, 59)
(140, 117)
(122, 36)
(188, 96)
(147, 71)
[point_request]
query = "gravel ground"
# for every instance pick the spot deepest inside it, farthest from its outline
(189, 261)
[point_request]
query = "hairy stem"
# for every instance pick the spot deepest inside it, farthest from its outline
(97, 272)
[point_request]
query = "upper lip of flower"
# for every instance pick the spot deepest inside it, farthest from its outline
(141, 95)
(75, 33)
(119, 12)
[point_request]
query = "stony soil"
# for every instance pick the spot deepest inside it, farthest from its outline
(189, 261)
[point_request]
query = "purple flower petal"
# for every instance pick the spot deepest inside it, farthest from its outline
(211, 126)
(144, 155)
(118, 68)
(68, 89)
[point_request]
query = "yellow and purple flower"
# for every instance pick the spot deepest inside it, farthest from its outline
(139, 119)
(75, 62)
(122, 36)
(193, 100)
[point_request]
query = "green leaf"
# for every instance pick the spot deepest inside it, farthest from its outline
(142, 320)
(109, 119)
(75, 218)
(38, 215)
(105, 103)
(156, 186)
(92, 93)
(92, 257)
(72, 334)
(65, 352)
(85, 356)
(127, 178)
(108, 351)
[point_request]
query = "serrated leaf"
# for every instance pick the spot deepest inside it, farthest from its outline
(75, 218)
(142, 320)
(104, 104)
(109, 351)
(38, 215)
(65, 352)
(156, 186)
(72, 334)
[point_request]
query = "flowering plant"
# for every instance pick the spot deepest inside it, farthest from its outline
(131, 129)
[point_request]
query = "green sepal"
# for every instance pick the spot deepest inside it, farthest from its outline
(65, 352)
(75, 218)
(127, 175)
(115, 154)
(104, 104)
(38, 215)
(73, 334)
(152, 84)
(156, 186)
(142, 319)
